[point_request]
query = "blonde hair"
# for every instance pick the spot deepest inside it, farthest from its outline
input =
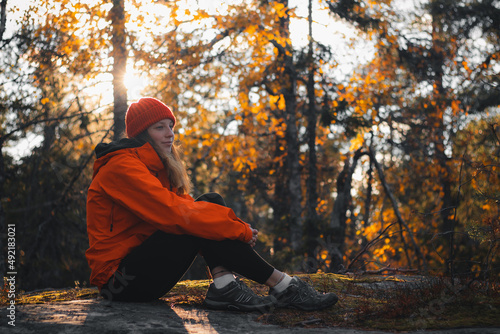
(177, 174)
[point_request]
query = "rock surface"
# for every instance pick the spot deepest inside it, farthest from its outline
(95, 316)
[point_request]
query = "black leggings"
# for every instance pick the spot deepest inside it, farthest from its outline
(150, 270)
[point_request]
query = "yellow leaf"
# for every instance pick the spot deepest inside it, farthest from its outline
(281, 104)
(251, 29)
(262, 118)
(357, 142)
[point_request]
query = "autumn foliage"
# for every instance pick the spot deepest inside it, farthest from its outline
(386, 164)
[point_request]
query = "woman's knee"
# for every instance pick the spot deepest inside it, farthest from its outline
(212, 198)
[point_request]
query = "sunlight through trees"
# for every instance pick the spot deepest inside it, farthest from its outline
(355, 135)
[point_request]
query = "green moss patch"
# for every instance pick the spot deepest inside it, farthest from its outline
(53, 296)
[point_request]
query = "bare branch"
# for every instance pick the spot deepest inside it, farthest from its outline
(369, 244)
(395, 207)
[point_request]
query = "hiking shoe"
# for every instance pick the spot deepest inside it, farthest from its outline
(237, 296)
(302, 296)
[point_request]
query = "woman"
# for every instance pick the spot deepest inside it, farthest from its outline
(145, 229)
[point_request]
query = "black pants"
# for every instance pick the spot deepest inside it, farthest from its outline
(155, 266)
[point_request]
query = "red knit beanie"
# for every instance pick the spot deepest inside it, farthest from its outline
(144, 113)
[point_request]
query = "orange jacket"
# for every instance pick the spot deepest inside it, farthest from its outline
(130, 198)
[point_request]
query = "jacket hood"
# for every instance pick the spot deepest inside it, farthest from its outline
(105, 148)
(105, 151)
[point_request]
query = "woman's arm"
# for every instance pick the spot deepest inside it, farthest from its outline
(128, 182)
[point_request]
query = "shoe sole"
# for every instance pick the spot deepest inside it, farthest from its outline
(243, 308)
(302, 308)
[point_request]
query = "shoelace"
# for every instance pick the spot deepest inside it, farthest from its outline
(244, 288)
(306, 290)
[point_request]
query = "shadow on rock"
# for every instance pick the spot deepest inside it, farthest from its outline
(96, 316)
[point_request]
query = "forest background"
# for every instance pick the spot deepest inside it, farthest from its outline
(356, 135)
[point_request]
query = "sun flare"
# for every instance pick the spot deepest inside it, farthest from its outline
(135, 83)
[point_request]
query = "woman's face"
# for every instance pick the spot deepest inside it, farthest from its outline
(162, 134)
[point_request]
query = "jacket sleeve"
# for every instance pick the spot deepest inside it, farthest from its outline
(128, 182)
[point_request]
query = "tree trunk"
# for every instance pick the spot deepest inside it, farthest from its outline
(3, 222)
(311, 230)
(280, 202)
(294, 182)
(438, 57)
(339, 213)
(119, 55)
(289, 88)
(3, 225)
(3, 17)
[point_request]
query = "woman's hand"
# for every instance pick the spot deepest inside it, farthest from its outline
(254, 237)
